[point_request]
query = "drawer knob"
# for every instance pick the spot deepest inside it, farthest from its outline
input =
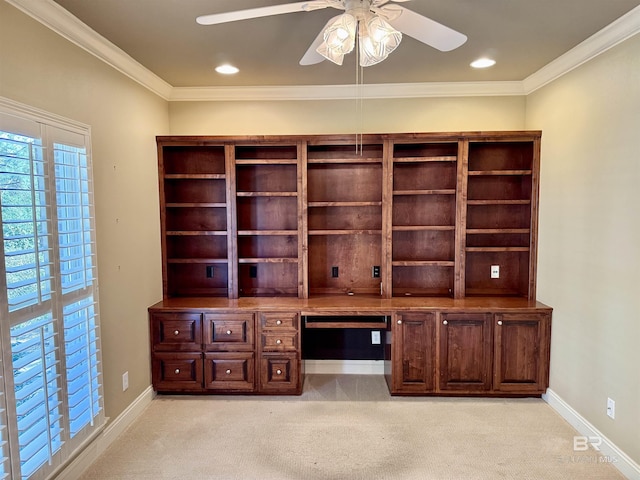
(176, 332)
(278, 322)
(228, 371)
(444, 322)
(279, 372)
(177, 371)
(499, 322)
(229, 332)
(399, 322)
(278, 342)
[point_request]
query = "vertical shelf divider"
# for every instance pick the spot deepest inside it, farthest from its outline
(303, 226)
(533, 234)
(232, 222)
(387, 220)
(461, 219)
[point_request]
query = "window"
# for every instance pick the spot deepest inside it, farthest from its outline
(51, 372)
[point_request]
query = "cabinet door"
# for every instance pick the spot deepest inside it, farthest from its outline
(229, 332)
(414, 346)
(521, 352)
(177, 372)
(279, 373)
(465, 352)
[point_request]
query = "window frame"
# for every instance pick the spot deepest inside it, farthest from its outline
(52, 129)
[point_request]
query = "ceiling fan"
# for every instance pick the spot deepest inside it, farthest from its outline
(377, 25)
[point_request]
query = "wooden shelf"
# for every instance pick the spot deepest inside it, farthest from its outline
(423, 263)
(345, 204)
(268, 260)
(442, 158)
(267, 194)
(500, 202)
(267, 232)
(497, 249)
(445, 191)
(423, 228)
(344, 160)
(195, 176)
(270, 161)
(197, 232)
(345, 232)
(498, 172)
(197, 260)
(483, 231)
(197, 205)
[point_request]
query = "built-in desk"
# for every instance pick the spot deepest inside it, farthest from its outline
(484, 346)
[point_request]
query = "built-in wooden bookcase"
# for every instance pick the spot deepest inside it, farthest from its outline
(344, 217)
(501, 217)
(423, 215)
(424, 218)
(194, 218)
(267, 193)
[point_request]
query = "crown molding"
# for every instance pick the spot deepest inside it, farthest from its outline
(65, 24)
(53, 16)
(345, 92)
(616, 32)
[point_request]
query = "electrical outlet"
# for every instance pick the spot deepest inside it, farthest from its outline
(611, 408)
(495, 271)
(125, 381)
(375, 337)
(209, 271)
(334, 272)
(375, 271)
(253, 271)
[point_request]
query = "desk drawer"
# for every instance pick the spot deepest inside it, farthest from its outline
(229, 332)
(176, 332)
(275, 341)
(277, 321)
(177, 372)
(229, 371)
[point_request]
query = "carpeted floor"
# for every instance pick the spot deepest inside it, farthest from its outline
(347, 427)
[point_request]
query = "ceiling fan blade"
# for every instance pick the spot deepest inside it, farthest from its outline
(311, 56)
(424, 29)
(217, 18)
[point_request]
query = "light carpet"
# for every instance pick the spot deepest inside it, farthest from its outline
(348, 427)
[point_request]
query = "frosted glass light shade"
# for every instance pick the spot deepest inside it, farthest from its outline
(377, 40)
(339, 38)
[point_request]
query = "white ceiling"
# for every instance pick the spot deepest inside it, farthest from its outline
(162, 35)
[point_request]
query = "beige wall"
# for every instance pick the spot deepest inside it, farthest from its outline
(41, 69)
(324, 117)
(589, 260)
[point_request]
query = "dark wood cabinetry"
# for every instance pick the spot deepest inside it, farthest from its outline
(311, 222)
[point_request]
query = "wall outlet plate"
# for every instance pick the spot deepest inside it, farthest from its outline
(495, 271)
(125, 381)
(375, 337)
(334, 272)
(611, 408)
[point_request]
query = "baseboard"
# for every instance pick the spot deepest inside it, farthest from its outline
(622, 461)
(91, 453)
(349, 367)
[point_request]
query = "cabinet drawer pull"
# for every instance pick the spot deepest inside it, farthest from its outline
(399, 322)
(278, 322)
(499, 322)
(278, 342)
(177, 371)
(444, 322)
(176, 332)
(279, 372)
(228, 371)
(229, 332)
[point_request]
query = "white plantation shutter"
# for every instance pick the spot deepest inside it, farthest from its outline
(48, 292)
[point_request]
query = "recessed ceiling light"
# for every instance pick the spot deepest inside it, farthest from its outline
(227, 69)
(483, 63)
